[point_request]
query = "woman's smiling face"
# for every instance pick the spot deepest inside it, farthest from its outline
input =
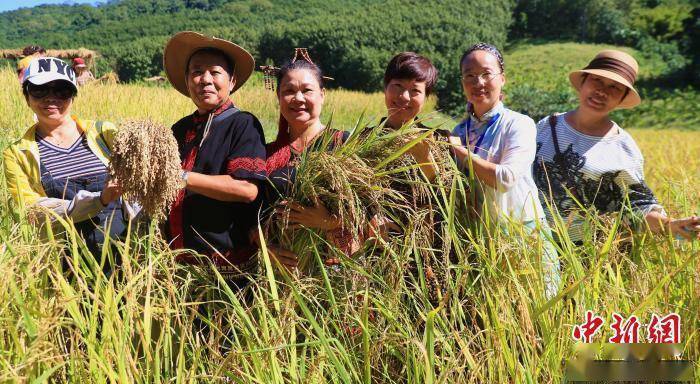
(601, 95)
(301, 97)
(208, 80)
(404, 99)
(55, 102)
(482, 79)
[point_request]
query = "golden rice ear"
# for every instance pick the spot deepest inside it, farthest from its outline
(146, 162)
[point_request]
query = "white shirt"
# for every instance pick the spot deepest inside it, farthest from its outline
(600, 172)
(506, 138)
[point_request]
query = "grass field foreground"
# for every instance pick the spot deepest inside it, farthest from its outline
(157, 321)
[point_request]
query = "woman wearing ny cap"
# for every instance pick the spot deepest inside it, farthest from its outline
(222, 150)
(585, 158)
(59, 166)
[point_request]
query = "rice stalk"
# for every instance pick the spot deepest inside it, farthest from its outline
(343, 183)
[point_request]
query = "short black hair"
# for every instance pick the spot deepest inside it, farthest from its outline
(32, 49)
(409, 66)
(230, 65)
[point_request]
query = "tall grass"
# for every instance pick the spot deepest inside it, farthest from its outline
(156, 321)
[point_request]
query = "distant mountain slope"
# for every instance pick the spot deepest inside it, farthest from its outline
(352, 39)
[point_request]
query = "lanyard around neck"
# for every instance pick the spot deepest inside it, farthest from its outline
(489, 131)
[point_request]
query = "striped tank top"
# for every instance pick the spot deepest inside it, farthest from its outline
(75, 161)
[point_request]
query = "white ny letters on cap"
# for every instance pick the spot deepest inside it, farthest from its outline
(43, 70)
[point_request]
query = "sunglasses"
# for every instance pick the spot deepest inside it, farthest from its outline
(58, 91)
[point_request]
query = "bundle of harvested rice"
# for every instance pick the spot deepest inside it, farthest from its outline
(345, 184)
(388, 151)
(418, 206)
(145, 161)
(372, 174)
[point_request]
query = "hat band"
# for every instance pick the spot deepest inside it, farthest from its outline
(616, 66)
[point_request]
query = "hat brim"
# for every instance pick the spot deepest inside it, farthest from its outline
(182, 45)
(47, 77)
(630, 101)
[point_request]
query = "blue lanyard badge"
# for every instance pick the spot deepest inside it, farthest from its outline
(486, 138)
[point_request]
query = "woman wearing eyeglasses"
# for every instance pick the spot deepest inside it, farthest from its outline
(60, 166)
(500, 146)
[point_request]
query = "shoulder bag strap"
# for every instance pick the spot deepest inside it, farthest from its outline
(553, 126)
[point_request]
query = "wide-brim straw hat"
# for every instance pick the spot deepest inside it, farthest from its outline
(614, 65)
(182, 45)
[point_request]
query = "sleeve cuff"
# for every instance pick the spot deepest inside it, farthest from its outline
(84, 205)
(247, 168)
(132, 210)
(248, 175)
(647, 209)
(505, 179)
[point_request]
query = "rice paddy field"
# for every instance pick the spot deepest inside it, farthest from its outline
(365, 322)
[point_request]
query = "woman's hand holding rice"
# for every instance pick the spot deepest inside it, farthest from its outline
(111, 192)
(315, 216)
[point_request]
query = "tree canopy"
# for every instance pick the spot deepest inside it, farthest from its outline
(351, 40)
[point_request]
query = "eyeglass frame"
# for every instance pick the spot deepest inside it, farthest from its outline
(485, 76)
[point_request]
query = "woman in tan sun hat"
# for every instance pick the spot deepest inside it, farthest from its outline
(222, 150)
(585, 160)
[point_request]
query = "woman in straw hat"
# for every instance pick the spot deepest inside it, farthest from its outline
(222, 150)
(585, 160)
